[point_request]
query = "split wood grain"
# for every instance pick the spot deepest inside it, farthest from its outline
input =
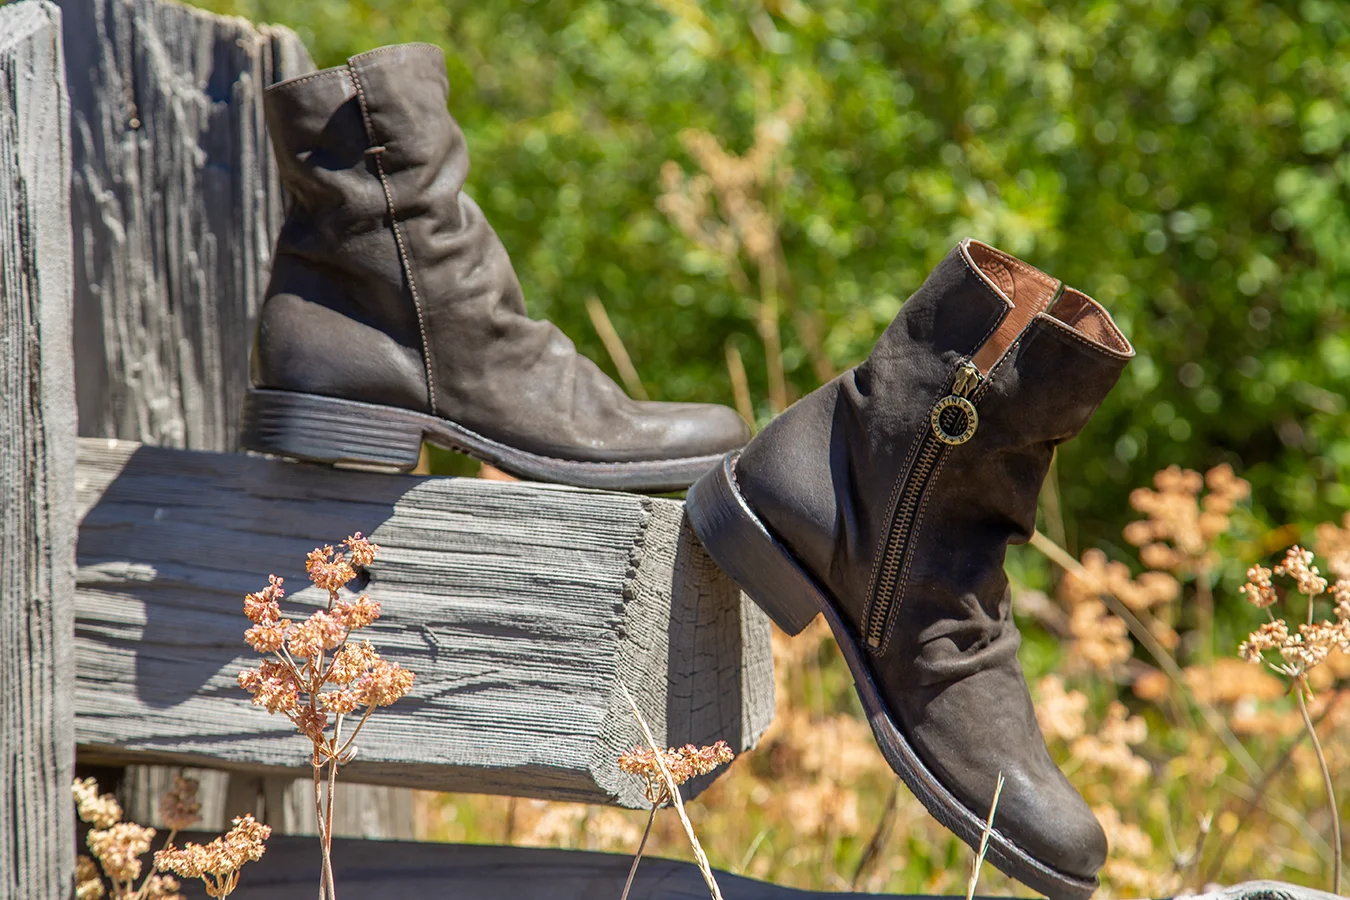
(521, 607)
(37, 450)
(176, 204)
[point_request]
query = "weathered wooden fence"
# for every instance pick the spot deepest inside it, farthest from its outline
(37, 428)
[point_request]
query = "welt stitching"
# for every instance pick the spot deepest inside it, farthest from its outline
(398, 234)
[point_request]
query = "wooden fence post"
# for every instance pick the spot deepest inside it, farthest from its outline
(37, 461)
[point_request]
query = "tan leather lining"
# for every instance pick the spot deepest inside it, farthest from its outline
(1087, 317)
(1027, 290)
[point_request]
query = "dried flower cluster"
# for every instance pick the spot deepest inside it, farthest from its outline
(310, 689)
(1305, 648)
(1334, 544)
(180, 809)
(683, 764)
(1177, 539)
(218, 863)
(317, 675)
(1180, 527)
(118, 846)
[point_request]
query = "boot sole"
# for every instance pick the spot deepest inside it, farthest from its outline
(765, 569)
(350, 433)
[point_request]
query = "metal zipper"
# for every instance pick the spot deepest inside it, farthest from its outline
(952, 421)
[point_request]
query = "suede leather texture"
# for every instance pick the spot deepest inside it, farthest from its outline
(824, 476)
(444, 332)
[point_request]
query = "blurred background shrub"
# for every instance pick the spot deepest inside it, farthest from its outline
(1184, 163)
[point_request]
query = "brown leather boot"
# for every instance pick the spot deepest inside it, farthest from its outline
(887, 499)
(393, 314)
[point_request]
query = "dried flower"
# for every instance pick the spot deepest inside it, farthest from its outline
(683, 764)
(1179, 528)
(1060, 713)
(357, 614)
(88, 884)
(119, 848)
(267, 637)
(361, 550)
(351, 662)
(1100, 640)
(1298, 566)
(161, 887)
(262, 607)
(1260, 592)
(272, 685)
(385, 683)
(321, 631)
(218, 863)
(1334, 544)
(328, 568)
(179, 808)
(339, 702)
(100, 811)
(1109, 749)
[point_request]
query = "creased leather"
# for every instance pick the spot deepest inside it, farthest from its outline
(339, 317)
(823, 478)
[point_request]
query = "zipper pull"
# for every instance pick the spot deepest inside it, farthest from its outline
(967, 379)
(954, 418)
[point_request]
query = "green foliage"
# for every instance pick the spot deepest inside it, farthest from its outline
(1185, 163)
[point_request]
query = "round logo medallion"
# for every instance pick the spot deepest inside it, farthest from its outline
(954, 420)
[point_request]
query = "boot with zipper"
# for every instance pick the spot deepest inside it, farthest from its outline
(886, 501)
(393, 314)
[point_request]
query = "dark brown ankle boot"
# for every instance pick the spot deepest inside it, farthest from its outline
(887, 499)
(393, 313)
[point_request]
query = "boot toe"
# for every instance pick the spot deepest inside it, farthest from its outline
(1048, 819)
(697, 429)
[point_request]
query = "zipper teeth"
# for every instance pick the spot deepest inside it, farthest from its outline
(902, 523)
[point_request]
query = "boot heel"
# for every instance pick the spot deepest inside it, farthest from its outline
(329, 430)
(742, 547)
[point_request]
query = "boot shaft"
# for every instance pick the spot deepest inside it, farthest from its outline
(911, 473)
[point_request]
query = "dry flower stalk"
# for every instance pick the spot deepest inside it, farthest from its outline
(978, 862)
(118, 847)
(725, 210)
(218, 863)
(1294, 653)
(653, 766)
(317, 676)
(673, 792)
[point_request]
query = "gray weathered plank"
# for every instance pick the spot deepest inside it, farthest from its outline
(176, 204)
(521, 607)
(395, 870)
(37, 450)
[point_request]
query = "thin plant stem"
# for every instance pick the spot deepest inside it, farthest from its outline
(328, 832)
(673, 790)
(740, 384)
(984, 841)
(1215, 865)
(879, 837)
(1204, 603)
(1299, 688)
(1060, 557)
(637, 858)
(618, 353)
(319, 818)
(769, 335)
